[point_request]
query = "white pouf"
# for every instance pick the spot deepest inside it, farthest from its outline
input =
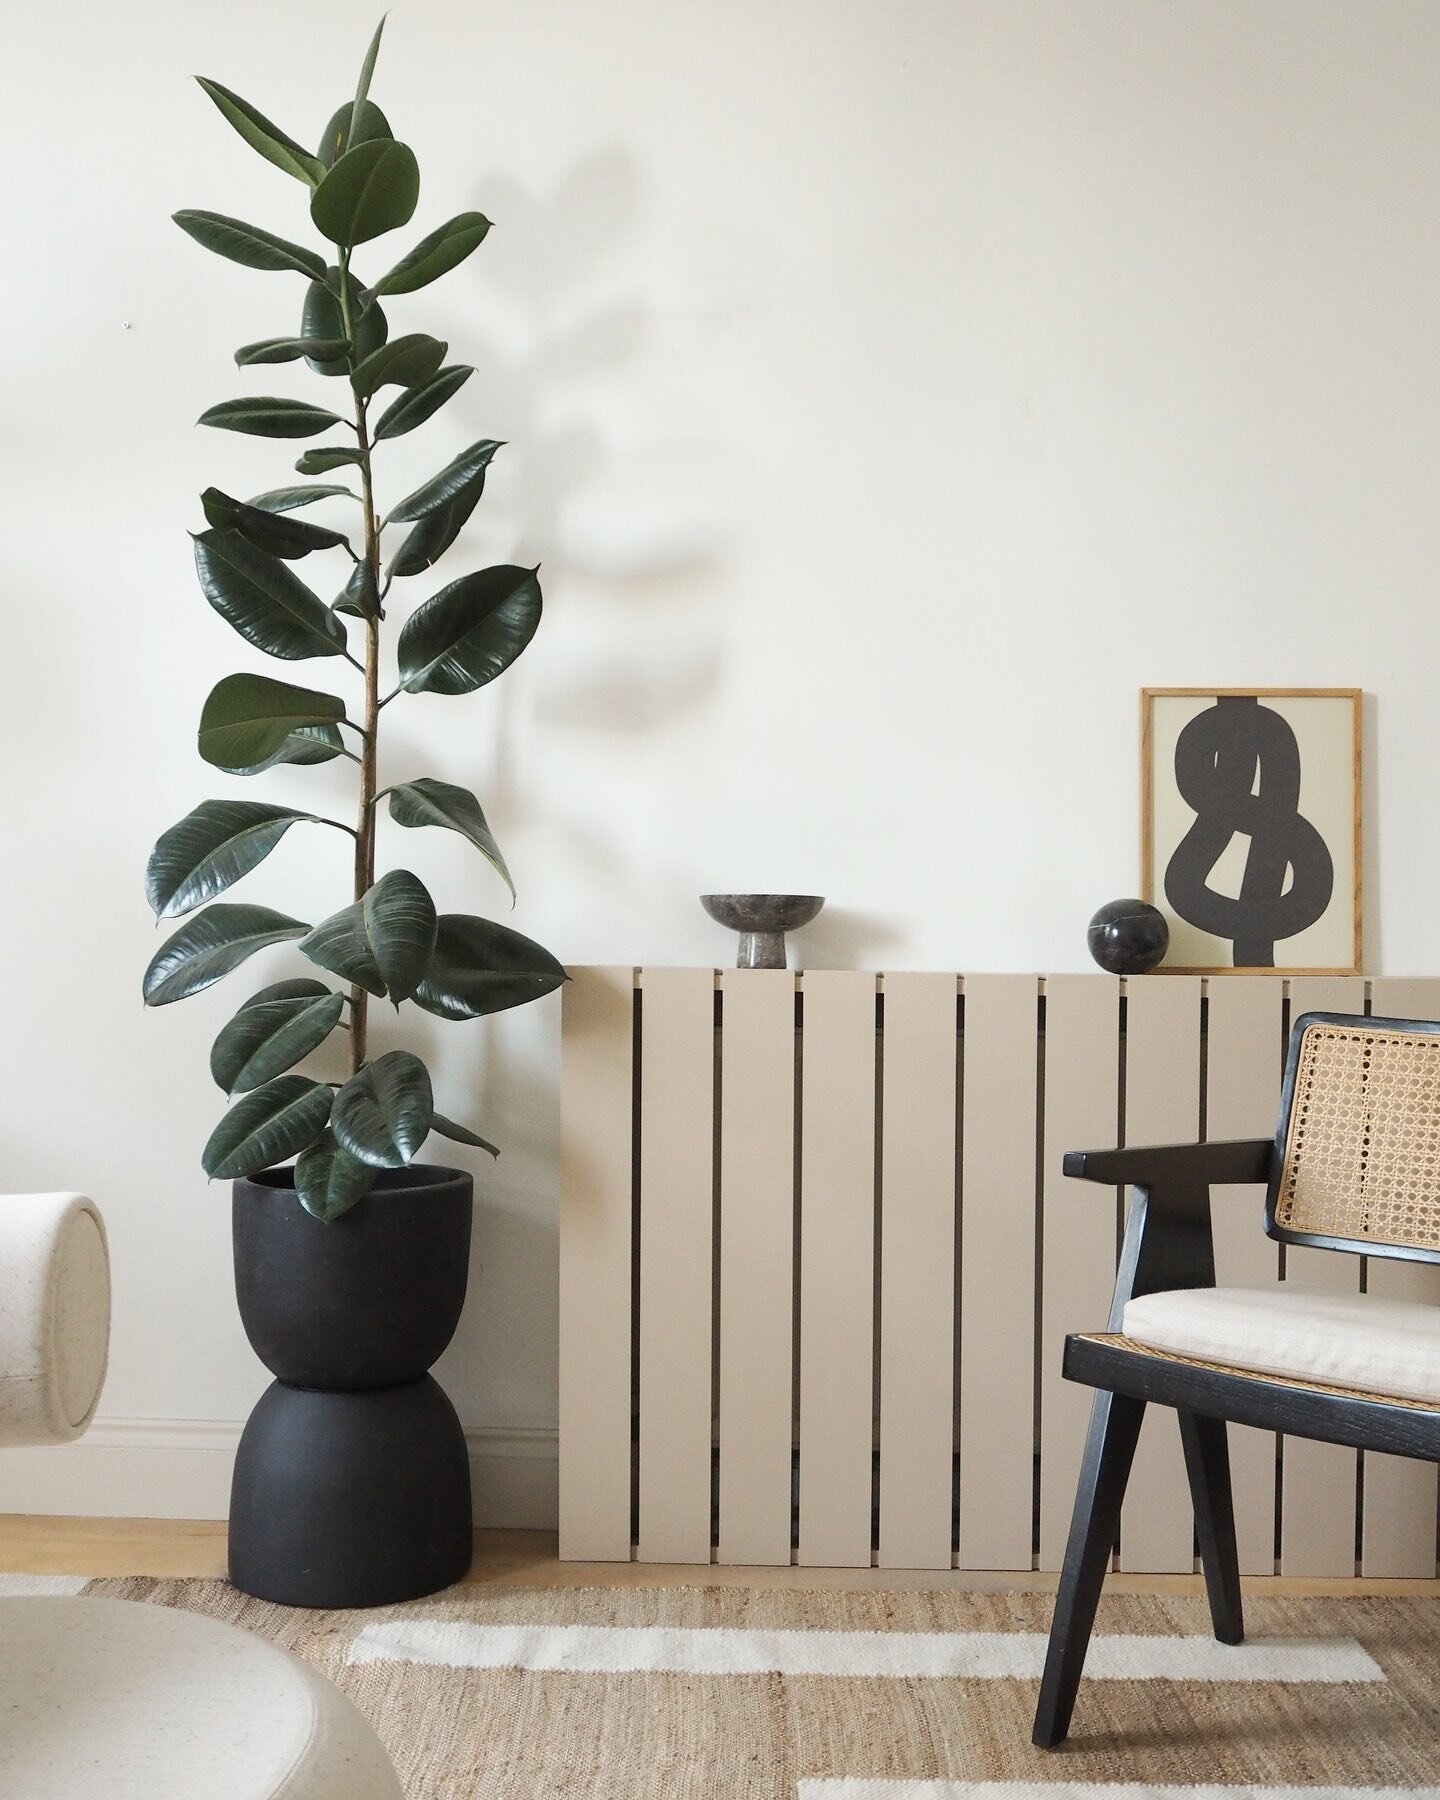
(130, 1701)
(54, 1316)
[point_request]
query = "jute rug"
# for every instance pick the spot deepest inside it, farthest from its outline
(740, 1694)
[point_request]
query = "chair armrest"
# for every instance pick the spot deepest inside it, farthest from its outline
(1159, 1165)
(54, 1316)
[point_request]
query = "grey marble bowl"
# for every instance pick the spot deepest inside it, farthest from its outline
(762, 921)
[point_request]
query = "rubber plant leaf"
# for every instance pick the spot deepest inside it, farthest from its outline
(267, 415)
(383, 1113)
(402, 362)
(249, 245)
(470, 632)
(249, 721)
(264, 1127)
(436, 254)
(289, 349)
(210, 849)
(267, 1037)
(321, 317)
(384, 942)
(421, 400)
(260, 134)
(329, 1180)
(286, 499)
(479, 967)
(429, 802)
(452, 481)
(207, 947)
(372, 189)
(461, 1134)
(345, 129)
(263, 598)
(289, 539)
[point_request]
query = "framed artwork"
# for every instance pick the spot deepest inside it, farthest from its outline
(1250, 828)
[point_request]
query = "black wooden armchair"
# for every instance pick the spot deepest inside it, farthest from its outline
(1354, 1165)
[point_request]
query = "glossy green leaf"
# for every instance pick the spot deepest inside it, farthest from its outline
(367, 71)
(284, 537)
(461, 1134)
(452, 481)
(266, 1037)
(345, 129)
(382, 1114)
(479, 967)
(264, 599)
(402, 362)
(272, 143)
(329, 1180)
(321, 317)
(435, 255)
(429, 802)
(249, 721)
(301, 987)
(426, 542)
(470, 632)
(248, 244)
(288, 349)
(274, 1122)
(210, 945)
(419, 401)
(361, 593)
(210, 849)
(286, 499)
(321, 462)
(383, 943)
(269, 416)
(372, 189)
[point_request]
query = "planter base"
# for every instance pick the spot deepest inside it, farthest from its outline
(350, 1499)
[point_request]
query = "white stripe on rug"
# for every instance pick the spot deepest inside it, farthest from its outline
(830, 1788)
(32, 1586)
(980, 1655)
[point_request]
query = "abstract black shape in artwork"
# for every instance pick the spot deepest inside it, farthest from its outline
(1237, 766)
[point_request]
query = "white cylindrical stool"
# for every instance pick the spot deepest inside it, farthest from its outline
(54, 1316)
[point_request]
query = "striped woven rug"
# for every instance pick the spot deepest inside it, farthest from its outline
(742, 1694)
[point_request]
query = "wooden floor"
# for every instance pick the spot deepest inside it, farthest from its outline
(168, 1547)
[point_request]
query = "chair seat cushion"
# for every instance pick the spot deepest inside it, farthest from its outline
(129, 1701)
(1361, 1341)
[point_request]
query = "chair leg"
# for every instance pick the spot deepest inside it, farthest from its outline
(1109, 1452)
(1207, 1462)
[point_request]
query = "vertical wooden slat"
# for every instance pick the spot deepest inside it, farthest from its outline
(1398, 1527)
(997, 1272)
(597, 1028)
(1162, 1106)
(1317, 1514)
(677, 1095)
(757, 1237)
(1082, 1110)
(1242, 1099)
(837, 1267)
(917, 1271)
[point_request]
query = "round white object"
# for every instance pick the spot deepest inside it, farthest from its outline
(138, 1702)
(54, 1316)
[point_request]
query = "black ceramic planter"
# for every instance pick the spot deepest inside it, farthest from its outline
(352, 1481)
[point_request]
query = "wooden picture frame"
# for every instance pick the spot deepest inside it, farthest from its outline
(1287, 900)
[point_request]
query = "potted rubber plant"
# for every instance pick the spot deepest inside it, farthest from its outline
(352, 1482)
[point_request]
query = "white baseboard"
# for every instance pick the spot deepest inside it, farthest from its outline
(180, 1469)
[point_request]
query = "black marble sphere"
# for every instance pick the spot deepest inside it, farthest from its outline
(1128, 937)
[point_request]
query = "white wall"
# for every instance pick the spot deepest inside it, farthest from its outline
(892, 391)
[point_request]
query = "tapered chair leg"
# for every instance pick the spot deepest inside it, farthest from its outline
(1207, 1462)
(1109, 1452)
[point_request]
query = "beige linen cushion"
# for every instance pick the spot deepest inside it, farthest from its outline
(1343, 1340)
(54, 1316)
(115, 1700)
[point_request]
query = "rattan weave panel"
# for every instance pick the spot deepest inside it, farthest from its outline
(1362, 1153)
(1117, 1341)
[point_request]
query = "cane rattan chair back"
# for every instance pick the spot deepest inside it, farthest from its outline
(1359, 1138)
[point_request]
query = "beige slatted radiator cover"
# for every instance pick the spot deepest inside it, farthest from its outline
(817, 1262)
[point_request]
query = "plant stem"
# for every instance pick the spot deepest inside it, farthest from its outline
(365, 832)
